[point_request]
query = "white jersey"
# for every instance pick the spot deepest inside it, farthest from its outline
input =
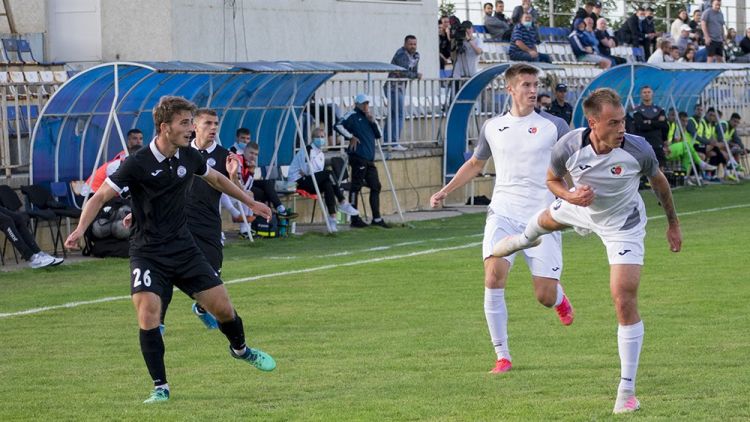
(614, 176)
(520, 148)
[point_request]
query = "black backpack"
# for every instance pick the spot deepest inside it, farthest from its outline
(110, 245)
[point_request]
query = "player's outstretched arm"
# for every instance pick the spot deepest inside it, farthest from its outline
(660, 185)
(468, 171)
(219, 182)
(93, 205)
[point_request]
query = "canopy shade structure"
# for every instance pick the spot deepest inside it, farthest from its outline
(683, 82)
(461, 110)
(84, 122)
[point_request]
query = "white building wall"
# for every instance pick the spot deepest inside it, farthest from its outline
(134, 30)
(28, 16)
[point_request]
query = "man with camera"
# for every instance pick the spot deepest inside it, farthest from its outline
(467, 49)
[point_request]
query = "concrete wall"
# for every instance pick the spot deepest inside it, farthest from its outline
(29, 16)
(213, 30)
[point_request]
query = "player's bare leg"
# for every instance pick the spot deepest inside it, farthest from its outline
(549, 292)
(624, 281)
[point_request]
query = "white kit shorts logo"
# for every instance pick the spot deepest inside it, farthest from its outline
(181, 171)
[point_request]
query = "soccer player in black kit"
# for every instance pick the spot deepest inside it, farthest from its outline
(163, 253)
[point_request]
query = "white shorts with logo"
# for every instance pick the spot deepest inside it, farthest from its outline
(544, 260)
(624, 244)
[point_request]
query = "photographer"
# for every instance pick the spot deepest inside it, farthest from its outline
(467, 49)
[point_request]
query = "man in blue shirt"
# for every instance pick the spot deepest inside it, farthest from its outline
(523, 43)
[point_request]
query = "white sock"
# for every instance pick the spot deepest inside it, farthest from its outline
(533, 230)
(239, 352)
(163, 386)
(497, 320)
(226, 203)
(629, 342)
(560, 295)
(244, 228)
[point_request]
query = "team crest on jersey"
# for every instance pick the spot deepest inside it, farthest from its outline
(532, 130)
(181, 171)
(211, 162)
(616, 170)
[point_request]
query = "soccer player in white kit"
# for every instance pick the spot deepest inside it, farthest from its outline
(520, 142)
(606, 164)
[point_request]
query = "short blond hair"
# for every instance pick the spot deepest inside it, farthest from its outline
(167, 107)
(592, 106)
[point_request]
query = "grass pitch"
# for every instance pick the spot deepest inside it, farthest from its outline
(388, 325)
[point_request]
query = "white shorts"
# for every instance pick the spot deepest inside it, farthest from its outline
(544, 260)
(624, 245)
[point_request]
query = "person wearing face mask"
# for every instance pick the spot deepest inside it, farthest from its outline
(632, 32)
(302, 172)
(523, 43)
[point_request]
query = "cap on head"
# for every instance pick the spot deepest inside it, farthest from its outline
(361, 99)
(561, 88)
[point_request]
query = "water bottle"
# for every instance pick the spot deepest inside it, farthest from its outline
(283, 222)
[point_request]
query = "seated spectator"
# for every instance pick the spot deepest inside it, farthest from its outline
(688, 56)
(300, 172)
(500, 14)
(675, 53)
(696, 32)
(745, 48)
(523, 43)
(242, 137)
(663, 54)
(678, 23)
(681, 147)
(732, 48)
(712, 24)
(517, 17)
(496, 24)
(583, 49)
(683, 40)
(631, 31)
(606, 42)
(134, 143)
(15, 227)
(733, 138)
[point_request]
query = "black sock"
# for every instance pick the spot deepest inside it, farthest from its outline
(234, 331)
(152, 347)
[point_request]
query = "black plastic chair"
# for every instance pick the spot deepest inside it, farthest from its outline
(40, 199)
(10, 200)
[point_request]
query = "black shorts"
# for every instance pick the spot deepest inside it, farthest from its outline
(187, 269)
(212, 249)
(699, 148)
(716, 48)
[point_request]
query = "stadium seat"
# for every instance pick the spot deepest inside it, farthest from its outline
(10, 50)
(25, 47)
(41, 198)
(61, 76)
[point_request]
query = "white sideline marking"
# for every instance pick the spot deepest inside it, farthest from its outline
(330, 266)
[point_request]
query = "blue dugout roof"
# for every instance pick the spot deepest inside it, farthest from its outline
(264, 97)
(461, 110)
(683, 82)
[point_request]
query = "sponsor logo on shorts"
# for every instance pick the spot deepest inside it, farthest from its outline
(181, 171)
(616, 170)
(557, 204)
(624, 252)
(532, 130)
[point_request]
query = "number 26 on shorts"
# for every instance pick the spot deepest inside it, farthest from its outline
(137, 278)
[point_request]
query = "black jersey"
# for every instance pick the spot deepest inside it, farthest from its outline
(158, 188)
(203, 215)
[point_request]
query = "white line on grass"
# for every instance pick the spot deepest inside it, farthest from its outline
(330, 266)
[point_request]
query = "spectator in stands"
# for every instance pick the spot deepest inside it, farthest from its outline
(696, 33)
(134, 143)
(467, 57)
(544, 101)
(649, 28)
(588, 31)
(361, 130)
(560, 107)
(677, 24)
(583, 12)
(688, 56)
(301, 169)
(663, 54)
(14, 226)
(731, 47)
(583, 48)
(597, 12)
(712, 24)
(444, 45)
(523, 43)
(495, 26)
(675, 53)
(650, 121)
(632, 31)
(606, 42)
(745, 47)
(683, 40)
(500, 14)
(517, 17)
(408, 58)
(241, 139)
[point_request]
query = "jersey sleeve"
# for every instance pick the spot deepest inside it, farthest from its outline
(644, 153)
(483, 151)
(126, 174)
(561, 153)
(197, 161)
